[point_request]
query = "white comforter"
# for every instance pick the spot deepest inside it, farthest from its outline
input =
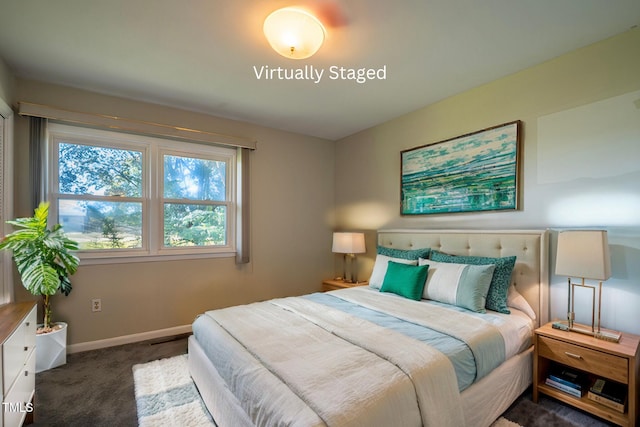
(292, 361)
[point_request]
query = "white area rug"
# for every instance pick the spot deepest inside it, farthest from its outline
(503, 422)
(166, 395)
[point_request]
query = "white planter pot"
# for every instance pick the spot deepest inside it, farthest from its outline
(51, 349)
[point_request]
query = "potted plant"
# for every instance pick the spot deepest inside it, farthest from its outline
(45, 262)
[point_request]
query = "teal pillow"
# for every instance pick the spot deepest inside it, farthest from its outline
(499, 287)
(412, 254)
(405, 280)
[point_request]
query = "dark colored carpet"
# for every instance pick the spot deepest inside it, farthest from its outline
(95, 388)
(549, 413)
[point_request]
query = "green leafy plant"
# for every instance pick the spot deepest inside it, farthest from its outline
(43, 257)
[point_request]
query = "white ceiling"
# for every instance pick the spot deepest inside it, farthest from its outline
(199, 54)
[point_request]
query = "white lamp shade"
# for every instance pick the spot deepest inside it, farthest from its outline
(293, 33)
(583, 253)
(348, 243)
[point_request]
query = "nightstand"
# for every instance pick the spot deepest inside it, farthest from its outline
(332, 284)
(596, 358)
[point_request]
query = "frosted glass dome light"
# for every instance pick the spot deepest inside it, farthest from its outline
(294, 33)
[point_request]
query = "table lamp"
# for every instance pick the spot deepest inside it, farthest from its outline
(584, 254)
(349, 244)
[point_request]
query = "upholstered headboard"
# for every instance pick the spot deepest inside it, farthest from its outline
(531, 247)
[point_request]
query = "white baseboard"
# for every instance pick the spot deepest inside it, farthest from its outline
(128, 339)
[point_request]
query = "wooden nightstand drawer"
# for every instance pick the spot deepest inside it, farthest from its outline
(595, 362)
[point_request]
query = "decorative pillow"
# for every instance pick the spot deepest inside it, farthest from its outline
(497, 296)
(517, 301)
(380, 269)
(404, 253)
(405, 280)
(462, 285)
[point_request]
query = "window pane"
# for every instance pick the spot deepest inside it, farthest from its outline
(195, 179)
(102, 225)
(194, 225)
(85, 169)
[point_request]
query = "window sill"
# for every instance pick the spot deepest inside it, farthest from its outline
(126, 259)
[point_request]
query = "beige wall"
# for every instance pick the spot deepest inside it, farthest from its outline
(368, 191)
(292, 198)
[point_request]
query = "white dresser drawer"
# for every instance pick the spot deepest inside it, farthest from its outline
(31, 324)
(19, 397)
(16, 349)
(17, 362)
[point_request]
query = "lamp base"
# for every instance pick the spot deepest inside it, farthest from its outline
(602, 334)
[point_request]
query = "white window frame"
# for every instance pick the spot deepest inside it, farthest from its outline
(153, 149)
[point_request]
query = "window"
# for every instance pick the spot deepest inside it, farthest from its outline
(194, 196)
(122, 195)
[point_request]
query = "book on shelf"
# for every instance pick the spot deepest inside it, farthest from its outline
(606, 402)
(563, 387)
(609, 393)
(568, 377)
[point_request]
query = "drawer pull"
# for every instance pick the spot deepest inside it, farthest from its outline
(26, 373)
(575, 356)
(26, 348)
(28, 324)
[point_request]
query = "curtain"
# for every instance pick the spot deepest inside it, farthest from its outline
(243, 224)
(37, 159)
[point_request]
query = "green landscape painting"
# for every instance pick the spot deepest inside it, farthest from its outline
(469, 173)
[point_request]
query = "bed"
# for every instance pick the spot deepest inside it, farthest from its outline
(363, 357)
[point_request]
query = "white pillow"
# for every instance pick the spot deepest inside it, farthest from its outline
(380, 269)
(462, 285)
(517, 301)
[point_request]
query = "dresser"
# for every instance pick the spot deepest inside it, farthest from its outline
(18, 357)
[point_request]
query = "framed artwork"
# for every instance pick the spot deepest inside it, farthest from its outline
(469, 173)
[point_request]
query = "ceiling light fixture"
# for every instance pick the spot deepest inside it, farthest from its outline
(294, 33)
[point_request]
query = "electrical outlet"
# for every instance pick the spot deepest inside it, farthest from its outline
(96, 305)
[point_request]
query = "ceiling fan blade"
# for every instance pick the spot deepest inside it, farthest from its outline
(330, 13)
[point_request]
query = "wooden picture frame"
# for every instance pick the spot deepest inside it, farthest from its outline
(475, 172)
